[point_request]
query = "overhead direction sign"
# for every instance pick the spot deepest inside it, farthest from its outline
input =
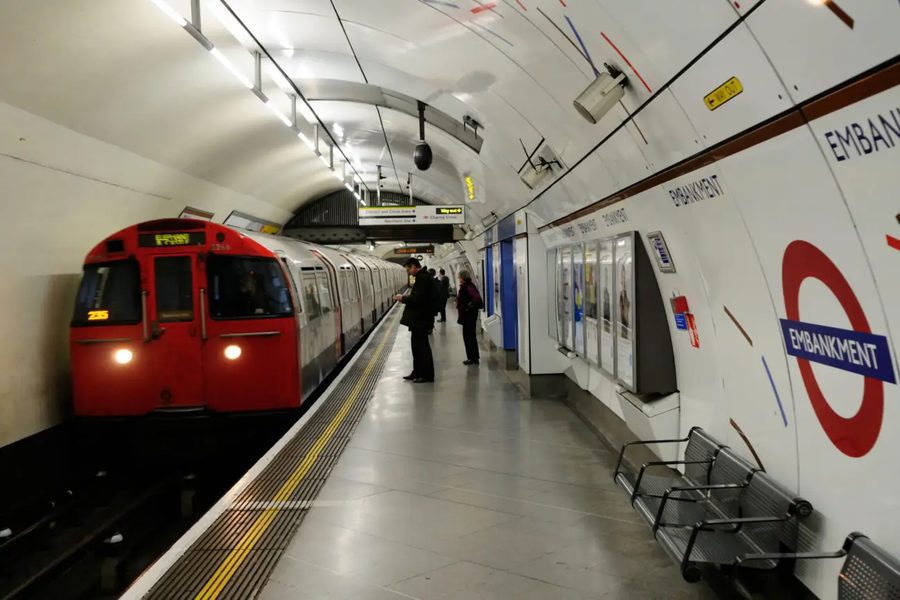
(412, 215)
(415, 250)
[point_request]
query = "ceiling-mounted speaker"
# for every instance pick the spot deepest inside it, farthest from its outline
(422, 155)
(601, 95)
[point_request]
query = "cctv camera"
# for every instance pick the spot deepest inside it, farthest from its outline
(423, 156)
(601, 95)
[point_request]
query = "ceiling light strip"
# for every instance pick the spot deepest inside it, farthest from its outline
(305, 109)
(289, 80)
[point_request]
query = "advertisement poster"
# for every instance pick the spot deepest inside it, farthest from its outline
(607, 294)
(566, 302)
(624, 325)
(496, 264)
(591, 331)
(578, 308)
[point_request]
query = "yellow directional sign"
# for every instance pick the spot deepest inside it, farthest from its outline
(723, 93)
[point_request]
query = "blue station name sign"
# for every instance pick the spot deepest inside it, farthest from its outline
(859, 352)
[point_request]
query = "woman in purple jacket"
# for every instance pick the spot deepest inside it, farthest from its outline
(468, 303)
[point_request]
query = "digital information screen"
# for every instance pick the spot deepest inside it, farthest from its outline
(168, 240)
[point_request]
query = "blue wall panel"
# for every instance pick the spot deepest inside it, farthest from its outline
(509, 296)
(489, 280)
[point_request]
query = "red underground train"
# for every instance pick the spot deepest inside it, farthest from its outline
(187, 316)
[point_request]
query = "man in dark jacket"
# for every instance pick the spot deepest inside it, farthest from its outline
(445, 293)
(418, 315)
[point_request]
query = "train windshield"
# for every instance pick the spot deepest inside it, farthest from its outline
(110, 294)
(241, 287)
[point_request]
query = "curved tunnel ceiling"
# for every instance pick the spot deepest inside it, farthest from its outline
(121, 71)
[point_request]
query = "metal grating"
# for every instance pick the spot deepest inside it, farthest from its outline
(236, 555)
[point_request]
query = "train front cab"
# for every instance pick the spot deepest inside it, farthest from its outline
(183, 315)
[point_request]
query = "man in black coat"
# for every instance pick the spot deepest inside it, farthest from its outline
(445, 294)
(418, 315)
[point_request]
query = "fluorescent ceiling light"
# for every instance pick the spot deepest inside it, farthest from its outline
(324, 160)
(274, 110)
(306, 140)
(337, 176)
(349, 187)
(170, 12)
(231, 68)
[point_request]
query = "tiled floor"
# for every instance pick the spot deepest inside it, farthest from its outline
(465, 489)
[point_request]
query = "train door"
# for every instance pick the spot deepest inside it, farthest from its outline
(314, 343)
(249, 325)
(175, 346)
(355, 282)
(331, 319)
(332, 286)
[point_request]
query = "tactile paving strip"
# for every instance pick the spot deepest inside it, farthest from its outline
(236, 555)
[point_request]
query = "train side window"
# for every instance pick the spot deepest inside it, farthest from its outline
(174, 287)
(324, 292)
(343, 288)
(311, 295)
(290, 275)
(351, 286)
(109, 294)
(243, 287)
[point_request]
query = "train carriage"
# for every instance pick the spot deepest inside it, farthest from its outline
(179, 315)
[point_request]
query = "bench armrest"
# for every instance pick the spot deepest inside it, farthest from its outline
(695, 488)
(644, 443)
(788, 555)
(714, 524)
(660, 463)
(710, 525)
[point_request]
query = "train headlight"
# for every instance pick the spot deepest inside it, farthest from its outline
(232, 352)
(123, 356)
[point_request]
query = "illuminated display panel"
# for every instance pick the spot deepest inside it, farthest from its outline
(168, 240)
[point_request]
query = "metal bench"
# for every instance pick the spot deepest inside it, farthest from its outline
(749, 530)
(868, 573)
(699, 454)
(685, 505)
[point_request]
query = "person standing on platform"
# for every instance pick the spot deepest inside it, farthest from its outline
(445, 294)
(437, 292)
(468, 303)
(418, 316)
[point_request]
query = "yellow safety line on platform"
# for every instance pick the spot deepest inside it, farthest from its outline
(239, 553)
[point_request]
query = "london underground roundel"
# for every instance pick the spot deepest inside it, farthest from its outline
(857, 350)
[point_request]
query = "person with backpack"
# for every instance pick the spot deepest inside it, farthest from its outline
(468, 303)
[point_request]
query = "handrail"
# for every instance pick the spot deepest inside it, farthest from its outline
(250, 334)
(103, 341)
(203, 314)
(144, 316)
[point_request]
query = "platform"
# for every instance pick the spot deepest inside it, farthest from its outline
(465, 489)
(459, 489)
